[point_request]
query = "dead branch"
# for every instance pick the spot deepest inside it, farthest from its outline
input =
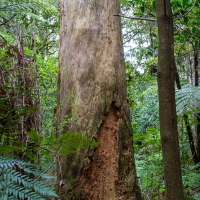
(136, 18)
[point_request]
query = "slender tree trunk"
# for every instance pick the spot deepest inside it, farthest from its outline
(92, 98)
(196, 81)
(167, 108)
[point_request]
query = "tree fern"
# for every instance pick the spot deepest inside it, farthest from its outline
(27, 6)
(34, 9)
(188, 99)
(22, 180)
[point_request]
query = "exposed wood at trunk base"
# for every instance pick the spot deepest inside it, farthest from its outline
(100, 173)
(103, 175)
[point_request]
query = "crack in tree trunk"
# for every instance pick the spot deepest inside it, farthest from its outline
(102, 168)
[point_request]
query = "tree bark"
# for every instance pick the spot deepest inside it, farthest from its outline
(167, 108)
(92, 98)
(196, 81)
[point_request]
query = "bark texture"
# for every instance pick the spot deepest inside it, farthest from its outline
(92, 98)
(196, 82)
(167, 108)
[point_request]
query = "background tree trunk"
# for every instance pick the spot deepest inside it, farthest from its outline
(92, 98)
(187, 124)
(196, 82)
(167, 108)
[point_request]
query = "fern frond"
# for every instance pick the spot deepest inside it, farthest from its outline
(16, 181)
(34, 8)
(188, 99)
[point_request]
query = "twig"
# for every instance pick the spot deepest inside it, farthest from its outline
(182, 16)
(8, 20)
(136, 18)
(187, 31)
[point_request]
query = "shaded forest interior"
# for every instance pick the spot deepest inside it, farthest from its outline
(33, 148)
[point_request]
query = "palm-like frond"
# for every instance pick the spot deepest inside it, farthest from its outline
(35, 8)
(188, 99)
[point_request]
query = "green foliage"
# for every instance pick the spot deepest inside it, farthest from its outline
(149, 163)
(142, 91)
(141, 45)
(68, 143)
(188, 99)
(28, 35)
(27, 7)
(191, 181)
(18, 100)
(23, 180)
(47, 77)
(37, 23)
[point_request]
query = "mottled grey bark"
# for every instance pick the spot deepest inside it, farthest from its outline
(92, 94)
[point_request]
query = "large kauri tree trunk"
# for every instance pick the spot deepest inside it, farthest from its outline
(167, 106)
(92, 98)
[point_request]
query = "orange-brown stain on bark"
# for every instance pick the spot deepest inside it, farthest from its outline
(99, 175)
